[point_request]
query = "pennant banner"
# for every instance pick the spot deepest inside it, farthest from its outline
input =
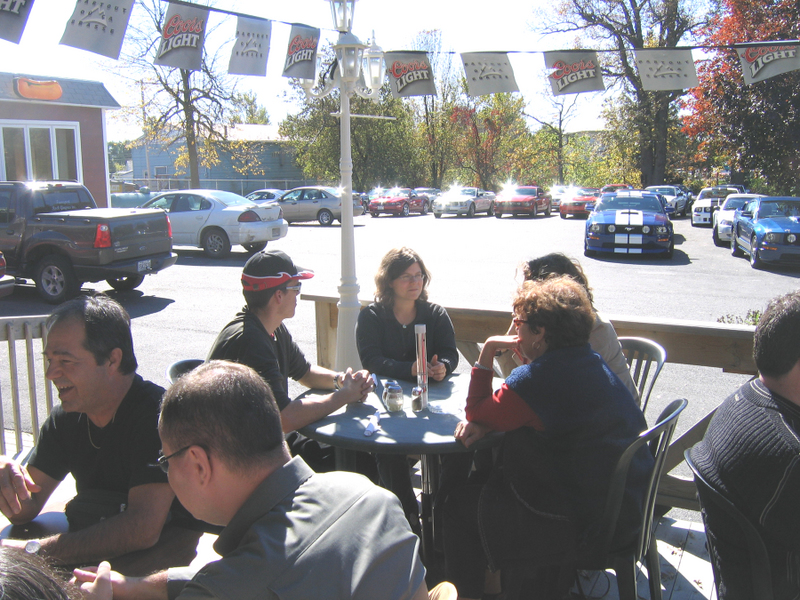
(666, 69)
(301, 55)
(13, 17)
(574, 71)
(488, 73)
(249, 54)
(98, 28)
(410, 74)
(762, 61)
(182, 37)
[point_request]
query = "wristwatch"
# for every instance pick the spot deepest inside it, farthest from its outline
(33, 547)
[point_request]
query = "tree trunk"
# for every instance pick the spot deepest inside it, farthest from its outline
(190, 130)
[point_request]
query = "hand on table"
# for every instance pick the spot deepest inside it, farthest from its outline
(356, 386)
(98, 583)
(16, 487)
(468, 433)
(436, 370)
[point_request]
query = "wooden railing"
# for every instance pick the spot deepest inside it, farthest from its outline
(22, 335)
(727, 347)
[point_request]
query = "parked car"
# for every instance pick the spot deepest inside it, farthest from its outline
(558, 192)
(132, 199)
(6, 281)
(722, 217)
(314, 203)
(261, 196)
(576, 205)
(674, 195)
(615, 187)
(522, 200)
(54, 234)
(214, 220)
(767, 228)
(399, 202)
(431, 193)
(630, 222)
(707, 199)
(464, 201)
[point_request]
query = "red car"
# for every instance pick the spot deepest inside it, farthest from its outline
(6, 281)
(576, 205)
(522, 200)
(399, 201)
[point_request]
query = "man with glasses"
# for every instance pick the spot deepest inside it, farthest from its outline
(258, 338)
(289, 532)
(105, 433)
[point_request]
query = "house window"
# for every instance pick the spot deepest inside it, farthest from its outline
(39, 151)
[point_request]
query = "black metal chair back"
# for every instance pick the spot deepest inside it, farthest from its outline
(643, 356)
(181, 367)
(756, 552)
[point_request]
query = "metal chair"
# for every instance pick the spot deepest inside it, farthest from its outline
(643, 355)
(181, 367)
(749, 547)
(605, 554)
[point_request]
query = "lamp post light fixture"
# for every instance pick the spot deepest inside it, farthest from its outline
(349, 78)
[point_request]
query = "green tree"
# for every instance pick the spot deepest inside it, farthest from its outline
(624, 26)
(118, 155)
(246, 110)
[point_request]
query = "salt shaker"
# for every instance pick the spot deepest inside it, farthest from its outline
(393, 396)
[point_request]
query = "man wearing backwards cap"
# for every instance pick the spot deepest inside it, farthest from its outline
(258, 338)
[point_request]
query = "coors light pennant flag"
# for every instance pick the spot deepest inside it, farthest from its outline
(301, 55)
(182, 37)
(98, 27)
(13, 17)
(573, 71)
(662, 69)
(410, 74)
(765, 60)
(488, 73)
(250, 51)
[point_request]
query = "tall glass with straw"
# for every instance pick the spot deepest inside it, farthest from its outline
(419, 395)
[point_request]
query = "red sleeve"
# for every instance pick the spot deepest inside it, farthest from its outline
(502, 410)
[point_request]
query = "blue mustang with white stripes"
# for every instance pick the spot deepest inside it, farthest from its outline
(630, 222)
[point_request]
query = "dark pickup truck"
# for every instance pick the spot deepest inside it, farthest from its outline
(54, 234)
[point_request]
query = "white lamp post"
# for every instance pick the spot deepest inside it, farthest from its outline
(350, 52)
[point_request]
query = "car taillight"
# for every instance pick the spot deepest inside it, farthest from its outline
(102, 237)
(248, 216)
(169, 226)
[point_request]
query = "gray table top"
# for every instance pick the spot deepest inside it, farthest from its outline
(427, 432)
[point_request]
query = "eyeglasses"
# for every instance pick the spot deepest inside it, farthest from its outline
(518, 321)
(409, 278)
(163, 461)
(294, 288)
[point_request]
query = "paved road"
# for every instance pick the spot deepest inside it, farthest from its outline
(177, 313)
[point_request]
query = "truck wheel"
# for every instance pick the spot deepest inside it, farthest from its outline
(216, 243)
(255, 248)
(126, 284)
(55, 279)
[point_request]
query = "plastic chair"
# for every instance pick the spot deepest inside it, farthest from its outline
(181, 367)
(643, 548)
(760, 572)
(643, 355)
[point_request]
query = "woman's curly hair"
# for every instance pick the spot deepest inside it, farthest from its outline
(560, 305)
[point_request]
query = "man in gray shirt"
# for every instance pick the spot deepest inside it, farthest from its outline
(289, 532)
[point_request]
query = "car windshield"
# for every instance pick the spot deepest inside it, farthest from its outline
(403, 193)
(525, 191)
(469, 192)
(231, 199)
(629, 203)
(734, 203)
(334, 191)
(586, 192)
(779, 208)
(668, 191)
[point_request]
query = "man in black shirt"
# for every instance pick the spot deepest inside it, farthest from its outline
(258, 338)
(105, 432)
(750, 454)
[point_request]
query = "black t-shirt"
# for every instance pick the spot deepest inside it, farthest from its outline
(276, 358)
(126, 447)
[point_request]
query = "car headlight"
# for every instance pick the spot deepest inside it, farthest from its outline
(646, 229)
(662, 229)
(772, 238)
(791, 238)
(611, 228)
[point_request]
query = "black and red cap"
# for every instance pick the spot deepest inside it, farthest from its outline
(269, 269)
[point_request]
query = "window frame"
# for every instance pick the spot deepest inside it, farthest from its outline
(51, 126)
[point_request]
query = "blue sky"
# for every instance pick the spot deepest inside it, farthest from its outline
(466, 26)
